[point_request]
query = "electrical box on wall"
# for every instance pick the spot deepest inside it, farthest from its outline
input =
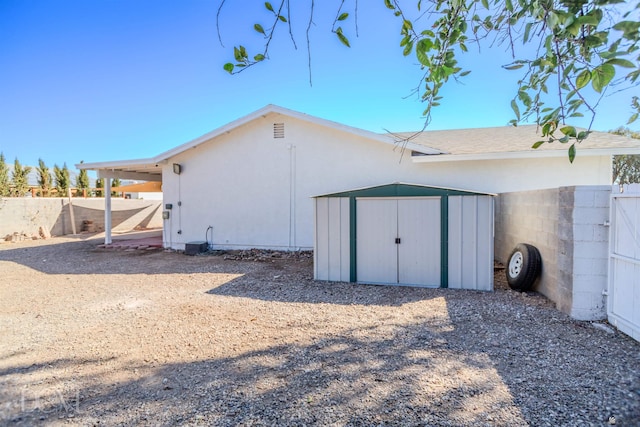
(165, 214)
(168, 206)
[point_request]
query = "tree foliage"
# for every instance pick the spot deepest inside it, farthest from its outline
(115, 183)
(4, 177)
(82, 180)
(62, 179)
(99, 184)
(626, 168)
(20, 179)
(581, 50)
(44, 178)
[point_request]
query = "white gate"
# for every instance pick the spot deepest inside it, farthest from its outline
(623, 305)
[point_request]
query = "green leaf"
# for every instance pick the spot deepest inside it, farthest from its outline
(552, 20)
(537, 144)
(407, 49)
(422, 47)
(259, 28)
(525, 98)
(628, 28)
(228, 67)
(485, 3)
(601, 76)
(582, 135)
(464, 73)
(583, 79)
(513, 66)
(342, 37)
(268, 6)
(259, 57)
(514, 107)
(343, 16)
(572, 153)
(569, 131)
(527, 30)
(633, 118)
(388, 4)
(282, 18)
(621, 62)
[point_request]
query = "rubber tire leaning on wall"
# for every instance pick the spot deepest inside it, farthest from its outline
(524, 267)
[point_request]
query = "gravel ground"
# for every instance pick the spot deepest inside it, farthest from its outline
(98, 337)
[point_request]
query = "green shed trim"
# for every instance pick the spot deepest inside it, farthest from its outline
(444, 241)
(352, 240)
(399, 189)
(403, 190)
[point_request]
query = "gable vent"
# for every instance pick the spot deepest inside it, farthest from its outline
(278, 130)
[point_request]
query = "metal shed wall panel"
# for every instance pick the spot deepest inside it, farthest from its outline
(332, 254)
(471, 242)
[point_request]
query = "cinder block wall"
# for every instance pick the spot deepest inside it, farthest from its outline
(590, 251)
(532, 217)
(567, 225)
(27, 215)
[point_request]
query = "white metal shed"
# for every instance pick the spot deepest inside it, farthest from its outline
(405, 234)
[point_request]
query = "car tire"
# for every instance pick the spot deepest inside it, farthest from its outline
(524, 267)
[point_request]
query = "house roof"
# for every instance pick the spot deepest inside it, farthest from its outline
(151, 168)
(511, 142)
(428, 146)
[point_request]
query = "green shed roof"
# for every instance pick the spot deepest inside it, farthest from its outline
(399, 189)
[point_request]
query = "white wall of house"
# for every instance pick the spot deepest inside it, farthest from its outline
(255, 190)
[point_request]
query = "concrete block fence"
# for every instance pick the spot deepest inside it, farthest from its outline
(26, 215)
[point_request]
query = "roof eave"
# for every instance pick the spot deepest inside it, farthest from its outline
(585, 152)
(118, 164)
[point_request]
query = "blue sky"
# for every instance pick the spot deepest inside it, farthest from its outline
(119, 79)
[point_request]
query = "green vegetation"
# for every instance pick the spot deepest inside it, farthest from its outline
(20, 179)
(626, 168)
(62, 179)
(4, 177)
(570, 52)
(44, 178)
(82, 180)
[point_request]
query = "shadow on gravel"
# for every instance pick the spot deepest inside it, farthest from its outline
(282, 280)
(83, 257)
(417, 374)
(499, 358)
(301, 288)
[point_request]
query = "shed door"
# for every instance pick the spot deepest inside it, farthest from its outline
(398, 241)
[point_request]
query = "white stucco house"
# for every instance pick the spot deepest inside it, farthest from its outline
(251, 182)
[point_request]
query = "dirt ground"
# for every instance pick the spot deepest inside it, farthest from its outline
(98, 337)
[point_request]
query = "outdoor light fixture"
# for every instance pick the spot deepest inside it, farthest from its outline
(177, 168)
